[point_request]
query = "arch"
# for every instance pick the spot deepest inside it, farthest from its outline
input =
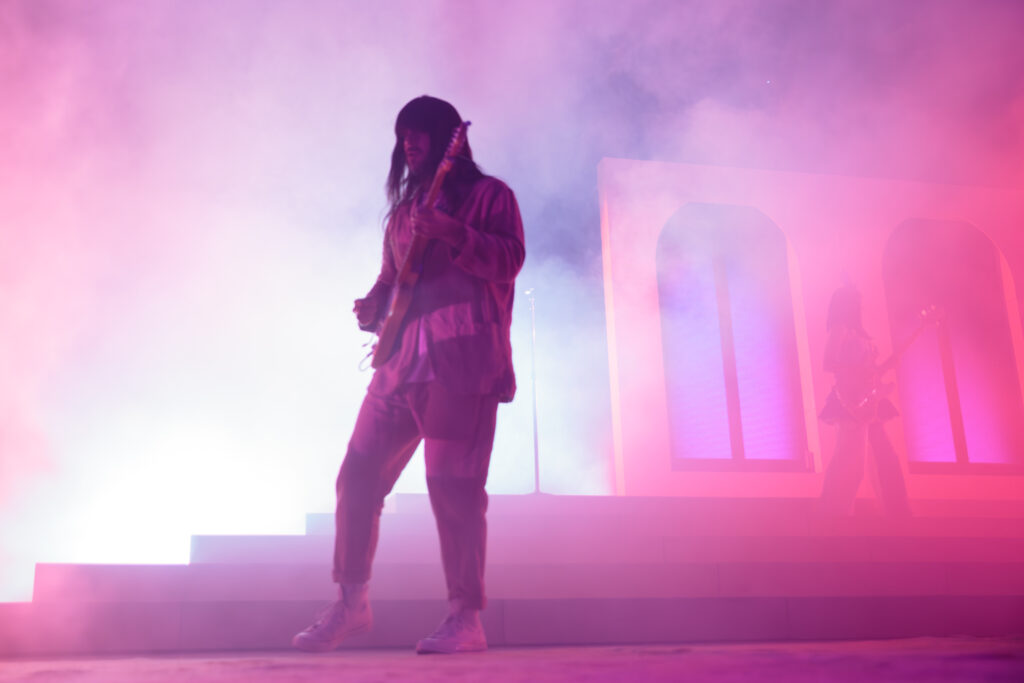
(960, 391)
(733, 381)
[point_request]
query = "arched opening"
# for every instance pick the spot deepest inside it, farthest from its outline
(732, 372)
(960, 392)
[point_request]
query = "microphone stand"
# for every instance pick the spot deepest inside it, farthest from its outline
(533, 383)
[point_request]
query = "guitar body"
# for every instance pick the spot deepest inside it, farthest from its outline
(875, 402)
(401, 299)
(875, 405)
(412, 266)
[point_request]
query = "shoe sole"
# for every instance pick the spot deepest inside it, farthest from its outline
(319, 646)
(431, 649)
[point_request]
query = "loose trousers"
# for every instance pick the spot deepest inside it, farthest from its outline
(458, 434)
(846, 470)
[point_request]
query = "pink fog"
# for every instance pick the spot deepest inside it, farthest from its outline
(708, 329)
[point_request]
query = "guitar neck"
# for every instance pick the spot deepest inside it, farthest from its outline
(890, 362)
(408, 274)
(435, 186)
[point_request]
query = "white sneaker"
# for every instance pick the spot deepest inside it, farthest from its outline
(461, 631)
(334, 625)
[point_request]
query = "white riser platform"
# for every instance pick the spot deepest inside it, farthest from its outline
(567, 570)
(554, 546)
(688, 518)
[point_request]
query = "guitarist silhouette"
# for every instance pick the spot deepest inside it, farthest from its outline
(442, 306)
(858, 406)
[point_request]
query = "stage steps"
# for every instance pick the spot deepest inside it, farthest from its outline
(237, 582)
(38, 629)
(567, 570)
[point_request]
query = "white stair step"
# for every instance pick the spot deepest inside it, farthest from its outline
(555, 546)
(219, 582)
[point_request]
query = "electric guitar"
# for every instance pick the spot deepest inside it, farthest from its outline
(867, 406)
(412, 266)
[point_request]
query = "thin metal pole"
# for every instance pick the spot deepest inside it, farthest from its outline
(533, 382)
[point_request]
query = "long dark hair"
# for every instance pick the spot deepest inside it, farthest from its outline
(438, 119)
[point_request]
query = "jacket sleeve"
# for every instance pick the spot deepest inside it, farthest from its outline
(493, 248)
(380, 292)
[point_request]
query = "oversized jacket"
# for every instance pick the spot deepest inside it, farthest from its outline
(461, 310)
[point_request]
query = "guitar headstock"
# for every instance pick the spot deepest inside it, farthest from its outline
(455, 145)
(932, 314)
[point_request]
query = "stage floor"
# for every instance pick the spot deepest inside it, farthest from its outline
(916, 659)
